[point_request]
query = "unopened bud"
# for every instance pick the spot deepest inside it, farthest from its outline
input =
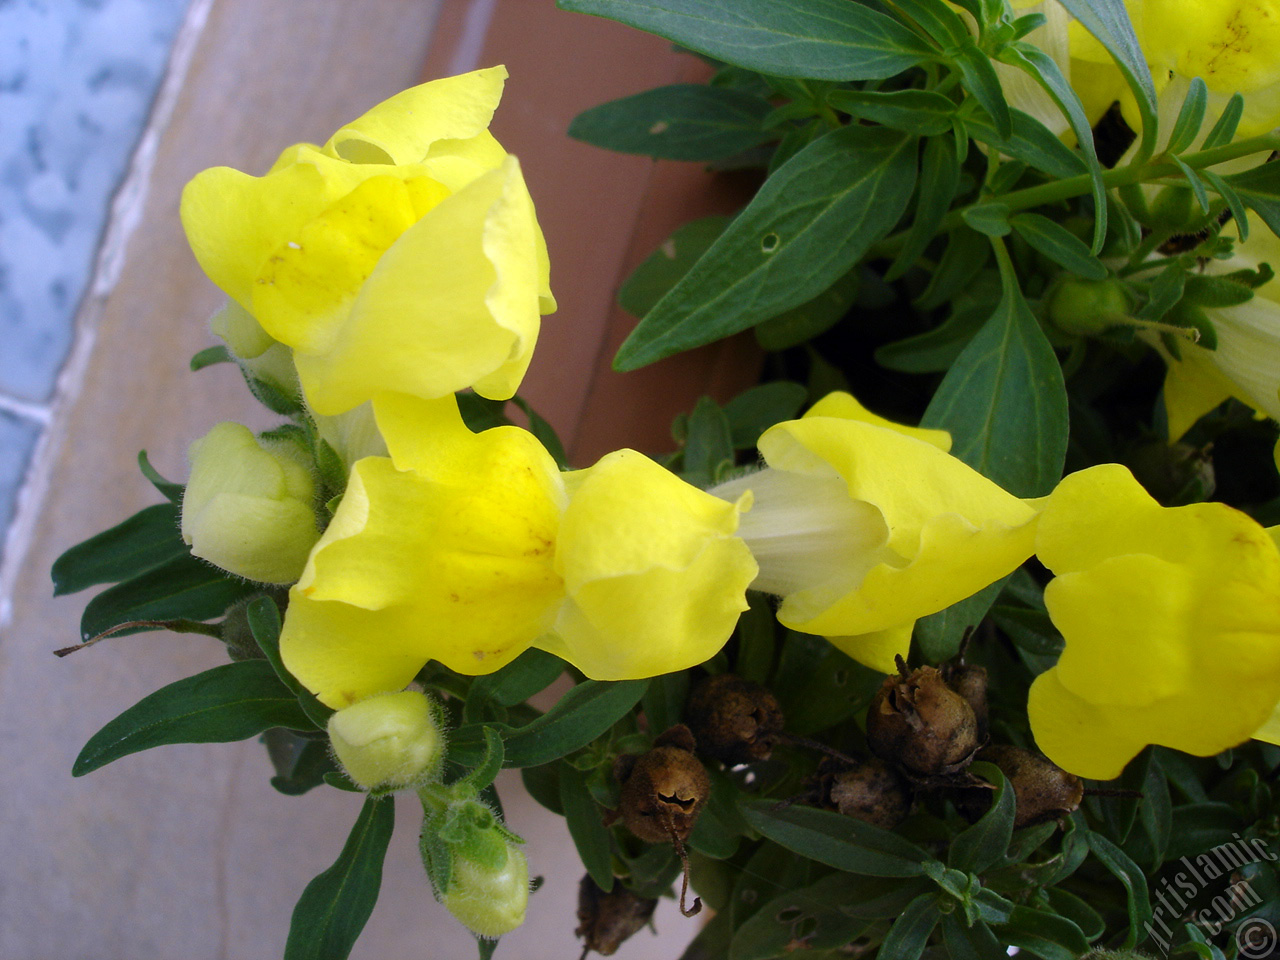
(388, 741)
(258, 353)
(1087, 307)
(248, 506)
(489, 899)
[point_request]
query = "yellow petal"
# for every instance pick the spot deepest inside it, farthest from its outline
(655, 577)
(1192, 387)
(845, 406)
(405, 127)
(878, 650)
(409, 332)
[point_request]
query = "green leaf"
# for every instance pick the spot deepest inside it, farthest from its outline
(1133, 880)
(1069, 906)
(838, 841)
(940, 634)
(663, 268)
(1044, 934)
(1190, 117)
(1224, 130)
(1030, 630)
(970, 943)
(143, 542)
(1259, 188)
(936, 188)
(961, 264)
(586, 827)
(1004, 400)
(1059, 244)
(184, 587)
(936, 350)
(480, 413)
(938, 20)
(1196, 184)
(271, 396)
(984, 844)
(530, 673)
(232, 702)
(979, 78)
(172, 491)
(1109, 22)
(209, 356)
(793, 327)
(708, 446)
(819, 40)
(301, 763)
(757, 639)
(910, 932)
(990, 219)
(754, 411)
(813, 915)
(1045, 71)
(1233, 201)
(1031, 142)
(920, 112)
(582, 714)
(336, 905)
(685, 121)
(264, 623)
(811, 221)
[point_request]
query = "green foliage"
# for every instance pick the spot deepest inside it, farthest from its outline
(145, 541)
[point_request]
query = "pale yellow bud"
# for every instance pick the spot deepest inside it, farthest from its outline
(388, 741)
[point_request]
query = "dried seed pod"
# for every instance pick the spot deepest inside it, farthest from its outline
(872, 791)
(734, 720)
(605, 920)
(663, 789)
(919, 723)
(1042, 790)
(970, 681)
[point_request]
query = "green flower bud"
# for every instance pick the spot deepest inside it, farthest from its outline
(1087, 307)
(388, 741)
(248, 505)
(258, 354)
(489, 900)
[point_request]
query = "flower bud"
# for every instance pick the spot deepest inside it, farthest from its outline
(388, 741)
(489, 899)
(260, 355)
(919, 723)
(733, 720)
(605, 920)
(248, 505)
(1087, 307)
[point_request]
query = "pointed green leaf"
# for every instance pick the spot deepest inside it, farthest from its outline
(970, 943)
(1109, 22)
(793, 327)
(990, 219)
(938, 20)
(708, 445)
(143, 542)
(910, 932)
(1004, 400)
(936, 188)
(663, 268)
(1044, 934)
(1031, 142)
(1196, 184)
(1133, 880)
(586, 827)
(183, 588)
(940, 634)
(979, 78)
(686, 121)
(581, 715)
(173, 491)
(545, 433)
(985, 842)
(754, 411)
(264, 624)
(209, 356)
(1224, 130)
(819, 40)
(1234, 203)
(922, 112)
(336, 905)
(810, 222)
(838, 841)
(232, 702)
(1190, 117)
(1059, 244)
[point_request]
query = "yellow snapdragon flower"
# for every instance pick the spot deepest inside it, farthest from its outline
(863, 526)
(1171, 618)
(339, 251)
(470, 548)
(1246, 362)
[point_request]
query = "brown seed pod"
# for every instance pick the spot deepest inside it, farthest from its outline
(970, 681)
(733, 720)
(873, 792)
(919, 723)
(663, 789)
(1042, 790)
(605, 920)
